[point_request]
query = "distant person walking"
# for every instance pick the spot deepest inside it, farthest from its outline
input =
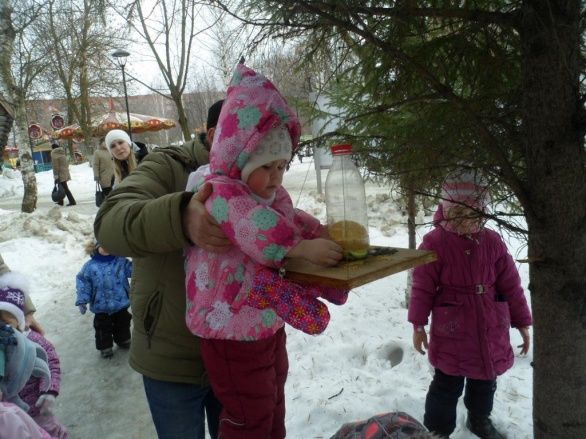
(61, 172)
(103, 167)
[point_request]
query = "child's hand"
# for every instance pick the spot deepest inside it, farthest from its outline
(526, 340)
(420, 339)
(82, 308)
(46, 402)
(320, 251)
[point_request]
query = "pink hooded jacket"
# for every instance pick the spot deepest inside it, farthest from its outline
(217, 285)
(473, 292)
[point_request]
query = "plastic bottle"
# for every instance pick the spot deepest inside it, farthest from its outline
(346, 204)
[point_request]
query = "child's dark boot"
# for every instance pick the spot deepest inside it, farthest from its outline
(482, 426)
(107, 353)
(124, 344)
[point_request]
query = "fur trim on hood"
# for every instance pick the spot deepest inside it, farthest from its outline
(14, 279)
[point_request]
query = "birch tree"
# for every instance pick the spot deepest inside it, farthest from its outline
(19, 66)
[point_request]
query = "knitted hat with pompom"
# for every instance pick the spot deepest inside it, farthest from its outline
(465, 187)
(14, 289)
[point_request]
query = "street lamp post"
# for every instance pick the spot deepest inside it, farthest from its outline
(121, 56)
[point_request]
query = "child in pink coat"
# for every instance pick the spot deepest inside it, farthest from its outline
(473, 292)
(235, 301)
(14, 289)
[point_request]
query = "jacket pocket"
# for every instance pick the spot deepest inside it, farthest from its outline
(151, 318)
(446, 320)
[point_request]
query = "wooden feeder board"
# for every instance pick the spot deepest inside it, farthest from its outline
(380, 262)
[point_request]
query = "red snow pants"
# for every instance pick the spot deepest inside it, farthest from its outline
(248, 378)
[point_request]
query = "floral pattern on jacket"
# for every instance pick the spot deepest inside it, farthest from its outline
(32, 390)
(103, 283)
(473, 292)
(217, 285)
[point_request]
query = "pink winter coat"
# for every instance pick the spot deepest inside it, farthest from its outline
(473, 292)
(16, 423)
(262, 232)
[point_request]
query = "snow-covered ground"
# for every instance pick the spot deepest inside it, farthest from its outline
(343, 375)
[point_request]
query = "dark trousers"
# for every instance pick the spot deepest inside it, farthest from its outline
(112, 328)
(107, 190)
(248, 378)
(178, 409)
(68, 194)
(442, 399)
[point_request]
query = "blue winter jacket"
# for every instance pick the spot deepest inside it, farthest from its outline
(103, 283)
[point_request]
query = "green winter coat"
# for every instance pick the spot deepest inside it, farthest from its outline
(141, 218)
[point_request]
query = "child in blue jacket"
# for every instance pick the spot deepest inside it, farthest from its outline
(103, 283)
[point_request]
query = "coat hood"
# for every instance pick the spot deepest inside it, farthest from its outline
(252, 107)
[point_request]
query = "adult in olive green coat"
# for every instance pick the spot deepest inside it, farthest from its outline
(149, 217)
(61, 171)
(103, 168)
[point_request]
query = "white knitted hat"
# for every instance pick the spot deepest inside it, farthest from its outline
(14, 287)
(276, 145)
(116, 135)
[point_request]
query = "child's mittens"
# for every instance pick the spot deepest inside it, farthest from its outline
(82, 308)
(289, 300)
(46, 403)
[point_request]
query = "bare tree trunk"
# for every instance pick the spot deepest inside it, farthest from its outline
(16, 97)
(411, 215)
(550, 36)
(27, 164)
(181, 116)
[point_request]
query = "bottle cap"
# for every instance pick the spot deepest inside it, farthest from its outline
(342, 149)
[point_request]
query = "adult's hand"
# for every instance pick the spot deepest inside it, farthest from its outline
(200, 227)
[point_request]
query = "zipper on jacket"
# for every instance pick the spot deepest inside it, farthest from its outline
(151, 318)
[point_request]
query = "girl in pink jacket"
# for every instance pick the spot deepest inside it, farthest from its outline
(235, 301)
(473, 292)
